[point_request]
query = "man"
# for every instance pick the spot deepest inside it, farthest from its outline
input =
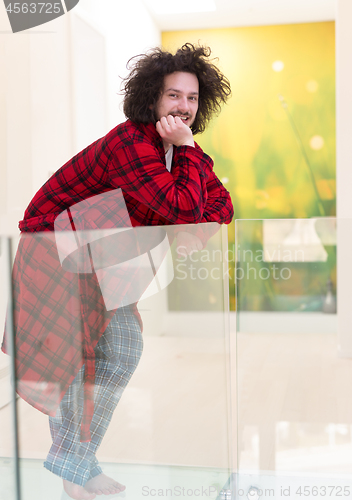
(165, 179)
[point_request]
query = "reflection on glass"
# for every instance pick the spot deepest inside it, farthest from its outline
(8, 464)
(294, 399)
(285, 265)
(150, 410)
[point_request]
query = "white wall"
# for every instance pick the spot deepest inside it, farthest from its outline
(35, 119)
(58, 91)
(344, 174)
(130, 30)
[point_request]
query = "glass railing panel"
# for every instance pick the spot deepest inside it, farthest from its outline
(294, 415)
(158, 422)
(8, 404)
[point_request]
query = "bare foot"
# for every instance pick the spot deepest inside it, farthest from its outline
(103, 485)
(77, 492)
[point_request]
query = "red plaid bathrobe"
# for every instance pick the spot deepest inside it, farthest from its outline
(60, 314)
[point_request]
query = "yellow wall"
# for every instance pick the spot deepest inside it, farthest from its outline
(252, 141)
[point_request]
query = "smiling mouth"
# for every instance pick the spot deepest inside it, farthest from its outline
(184, 118)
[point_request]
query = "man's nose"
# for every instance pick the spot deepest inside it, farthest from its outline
(183, 105)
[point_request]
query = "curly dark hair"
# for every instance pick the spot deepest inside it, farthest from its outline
(144, 84)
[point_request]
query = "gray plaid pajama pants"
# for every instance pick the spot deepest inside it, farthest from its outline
(117, 355)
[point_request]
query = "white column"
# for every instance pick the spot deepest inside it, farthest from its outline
(344, 173)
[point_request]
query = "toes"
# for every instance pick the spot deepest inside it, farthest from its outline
(119, 487)
(103, 485)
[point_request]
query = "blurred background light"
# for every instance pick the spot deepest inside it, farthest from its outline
(316, 142)
(312, 86)
(278, 66)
